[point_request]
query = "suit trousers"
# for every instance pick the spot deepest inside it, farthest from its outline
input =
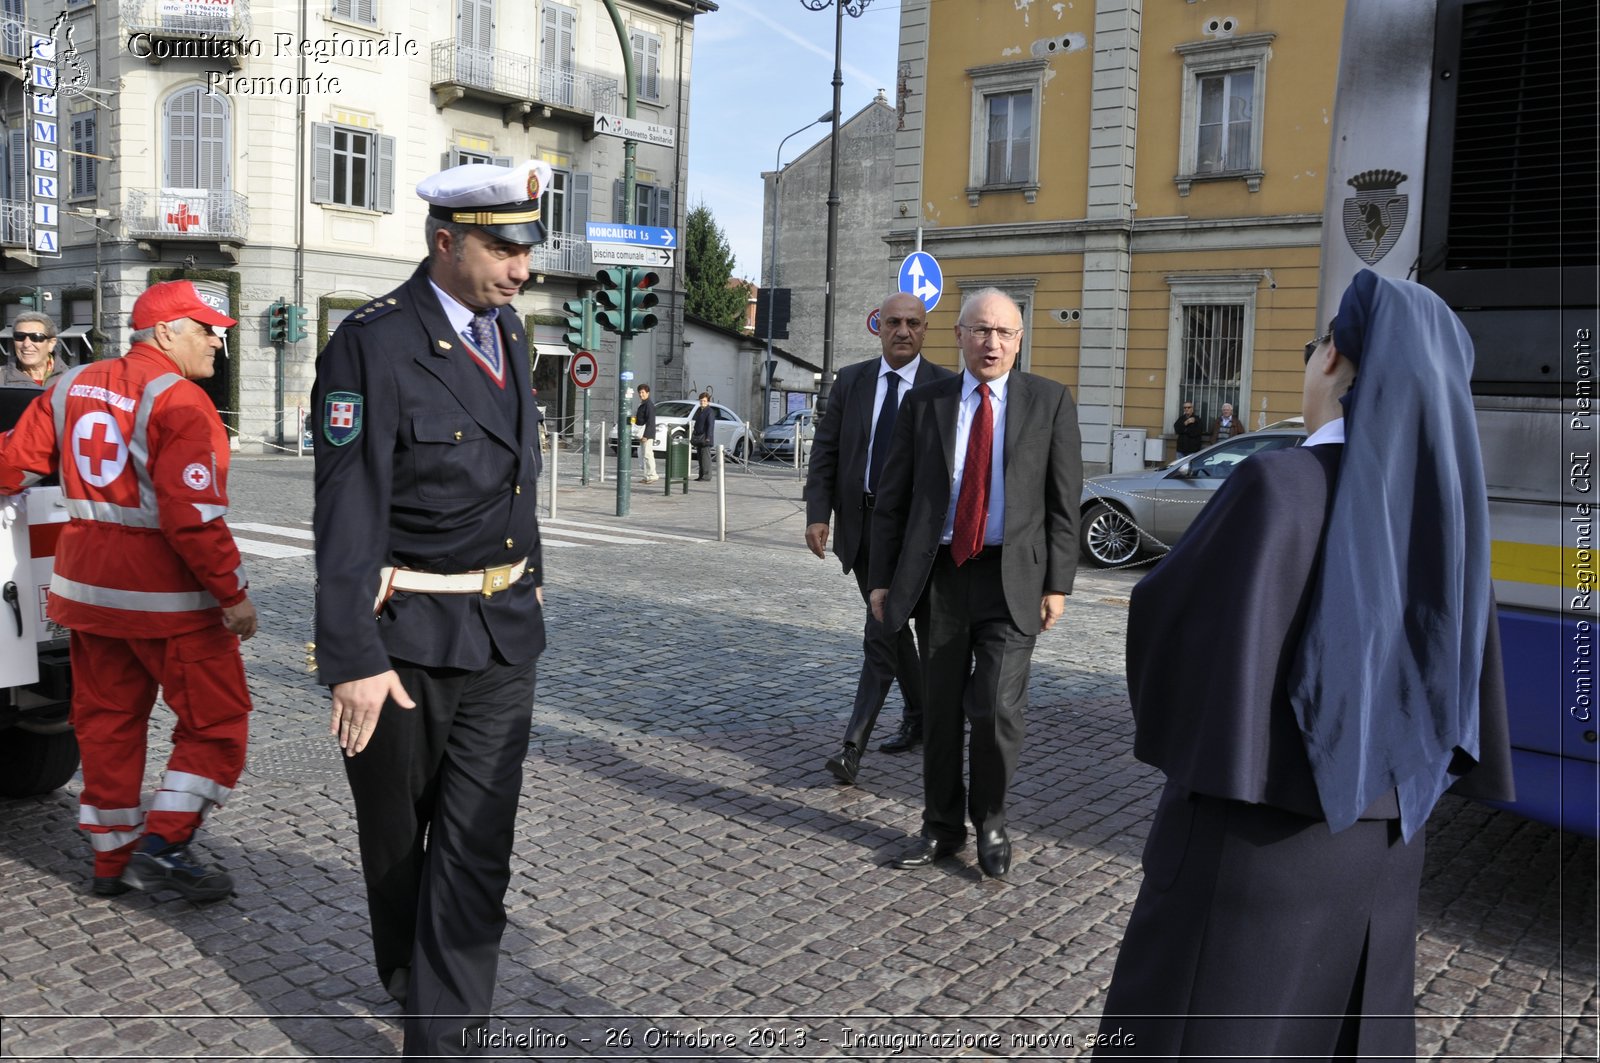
(886, 657)
(1259, 934)
(975, 665)
(436, 793)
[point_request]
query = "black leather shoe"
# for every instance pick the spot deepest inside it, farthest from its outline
(398, 984)
(907, 738)
(846, 765)
(994, 852)
(925, 852)
(109, 886)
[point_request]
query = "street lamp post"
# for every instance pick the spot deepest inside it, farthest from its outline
(772, 264)
(854, 9)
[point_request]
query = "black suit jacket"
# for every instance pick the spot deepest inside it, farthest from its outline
(837, 475)
(439, 478)
(1043, 463)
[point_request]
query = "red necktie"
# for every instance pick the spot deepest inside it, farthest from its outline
(972, 505)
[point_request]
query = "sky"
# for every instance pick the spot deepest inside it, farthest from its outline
(763, 69)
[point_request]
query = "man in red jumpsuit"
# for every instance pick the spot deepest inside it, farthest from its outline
(148, 579)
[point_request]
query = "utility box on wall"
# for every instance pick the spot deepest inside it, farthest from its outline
(1127, 449)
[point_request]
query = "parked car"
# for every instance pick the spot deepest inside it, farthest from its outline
(730, 431)
(1128, 515)
(778, 439)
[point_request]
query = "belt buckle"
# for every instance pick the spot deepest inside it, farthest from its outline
(496, 579)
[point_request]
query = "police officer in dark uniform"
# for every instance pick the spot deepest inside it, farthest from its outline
(429, 591)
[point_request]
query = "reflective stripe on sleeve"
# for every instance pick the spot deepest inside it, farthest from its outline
(134, 601)
(209, 513)
(107, 513)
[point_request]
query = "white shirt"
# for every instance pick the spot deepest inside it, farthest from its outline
(458, 314)
(1332, 432)
(995, 527)
(907, 374)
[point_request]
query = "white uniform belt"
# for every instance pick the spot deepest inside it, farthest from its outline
(485, 581)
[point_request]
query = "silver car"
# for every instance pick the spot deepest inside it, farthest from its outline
(678, 414)
(778, 439)
(1129, 515)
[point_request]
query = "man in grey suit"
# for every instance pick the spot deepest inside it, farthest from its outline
(847, 457)
(976, 535)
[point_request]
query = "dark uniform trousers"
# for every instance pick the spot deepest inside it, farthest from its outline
(886, 657)
(469, 736)
(975, 671)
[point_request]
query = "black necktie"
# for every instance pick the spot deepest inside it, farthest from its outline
(883, 432)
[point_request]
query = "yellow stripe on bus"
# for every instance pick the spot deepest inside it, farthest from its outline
(1551, 566)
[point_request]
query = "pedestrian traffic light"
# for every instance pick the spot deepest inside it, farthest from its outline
(278, 322)
(642, 300)
(612, 300)
(294, 323)
(579, 313)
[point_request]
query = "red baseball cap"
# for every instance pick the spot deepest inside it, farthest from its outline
(173, 300)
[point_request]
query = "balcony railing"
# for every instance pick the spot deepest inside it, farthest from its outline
(230, 18)
(188, 214)
(16, 223)
(562, 253)
(514, 77)
(13, 37)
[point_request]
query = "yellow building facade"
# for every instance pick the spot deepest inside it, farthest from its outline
(1145, 177)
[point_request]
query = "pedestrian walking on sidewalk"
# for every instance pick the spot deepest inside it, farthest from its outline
(645, 418)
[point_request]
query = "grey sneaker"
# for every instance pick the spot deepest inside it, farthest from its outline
(174, 868)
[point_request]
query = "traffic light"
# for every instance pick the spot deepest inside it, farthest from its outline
(641, 300)
(294, 322)
(578, 313)
(612, 300)
(278, 322)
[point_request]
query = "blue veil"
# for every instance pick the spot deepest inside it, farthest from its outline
(1386, 685)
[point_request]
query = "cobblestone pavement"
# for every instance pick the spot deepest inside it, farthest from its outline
(689, 883)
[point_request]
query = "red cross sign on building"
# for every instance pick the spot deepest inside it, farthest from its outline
(98, 449)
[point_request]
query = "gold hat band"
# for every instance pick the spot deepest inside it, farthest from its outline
(489, 217)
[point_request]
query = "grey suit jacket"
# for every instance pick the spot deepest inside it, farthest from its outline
(1043, 462)
(836, 476)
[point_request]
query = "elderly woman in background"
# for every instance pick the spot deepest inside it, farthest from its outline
(33, 350)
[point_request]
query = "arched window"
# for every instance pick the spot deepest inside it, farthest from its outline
(197, 137)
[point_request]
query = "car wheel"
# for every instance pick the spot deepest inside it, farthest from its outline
(740, 448)
(33, 764)
(1109, 538)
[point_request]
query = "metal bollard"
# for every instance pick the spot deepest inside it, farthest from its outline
(555, 469)
(602, 448)
(722, 496)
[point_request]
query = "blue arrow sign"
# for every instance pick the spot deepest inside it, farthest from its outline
(606, 232)
(920, 276)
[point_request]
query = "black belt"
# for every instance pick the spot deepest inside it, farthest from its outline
(988, 553)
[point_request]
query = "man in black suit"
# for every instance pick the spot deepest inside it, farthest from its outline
(702, 433)
(976, 535)
(847, 456)
(430, 591)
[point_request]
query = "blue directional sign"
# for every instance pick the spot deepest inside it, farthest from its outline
(607, 232)
(920, 276)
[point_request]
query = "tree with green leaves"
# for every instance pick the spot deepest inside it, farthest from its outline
(708, 267)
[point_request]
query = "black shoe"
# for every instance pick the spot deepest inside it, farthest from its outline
(846, 765)
(926, 851)
(907, 738)
(398, 982)
(994, 852)
(158, 866)
(109, 886)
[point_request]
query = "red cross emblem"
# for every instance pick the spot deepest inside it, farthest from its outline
(99, 449)
(183, 219)
(342, 415)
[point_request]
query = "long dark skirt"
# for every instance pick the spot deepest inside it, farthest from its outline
(1258, 933)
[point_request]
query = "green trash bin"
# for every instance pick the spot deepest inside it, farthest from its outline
(677, 461)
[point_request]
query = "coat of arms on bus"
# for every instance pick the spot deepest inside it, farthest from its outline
(1376, 214)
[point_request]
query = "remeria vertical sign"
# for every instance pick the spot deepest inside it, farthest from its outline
(44, 145)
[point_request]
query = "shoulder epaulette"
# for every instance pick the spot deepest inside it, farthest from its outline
(375, 309)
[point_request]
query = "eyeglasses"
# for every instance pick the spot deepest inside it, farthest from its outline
(1311, 348)
(32, 337)
(983, 332)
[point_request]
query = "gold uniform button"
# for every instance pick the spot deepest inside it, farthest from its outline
(509, 544)
(458, 437)
(519, 489)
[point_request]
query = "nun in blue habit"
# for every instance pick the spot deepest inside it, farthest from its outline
(1306, 735)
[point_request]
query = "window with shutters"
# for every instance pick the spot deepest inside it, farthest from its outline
(652, 204)
(1005, 129)
(463, 156)
(646, 65)
(553, 205)
(1224, 89)
(352, 167)
(362, 11)
(197, 137)
(557, 61)
(85, 170)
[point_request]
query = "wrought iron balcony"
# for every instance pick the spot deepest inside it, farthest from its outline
(16, 223)
(562, 253)
(13, 38)
(149, 24)
(219, 216)
(524, 89)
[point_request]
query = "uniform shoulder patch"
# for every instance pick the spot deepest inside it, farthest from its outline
(374, 310)
(341, 417)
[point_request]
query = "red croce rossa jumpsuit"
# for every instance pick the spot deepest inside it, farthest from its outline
(142, 572)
